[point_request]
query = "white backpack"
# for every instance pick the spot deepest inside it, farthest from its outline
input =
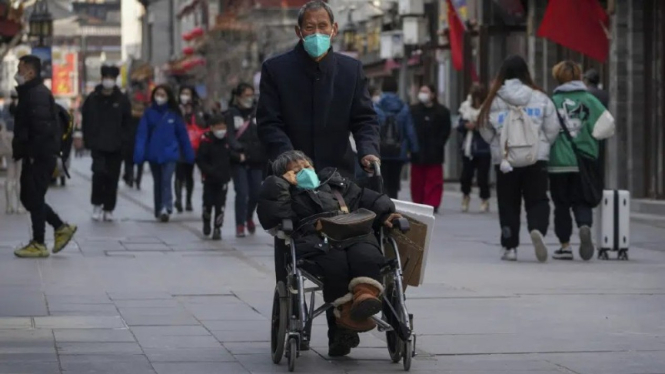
(519, 139)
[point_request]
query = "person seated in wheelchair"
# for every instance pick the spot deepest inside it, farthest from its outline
(350, 267)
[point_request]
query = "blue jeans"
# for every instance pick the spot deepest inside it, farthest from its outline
(162, 175)
(247, 182)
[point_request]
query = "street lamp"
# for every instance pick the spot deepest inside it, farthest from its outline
(349, 33)
(41, 21)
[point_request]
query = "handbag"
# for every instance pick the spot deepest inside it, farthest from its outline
(348, 225)
(591, 183)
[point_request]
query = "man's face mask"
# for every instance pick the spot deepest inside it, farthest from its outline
(108, 83)
(307, 179)
(219, 134)
(317, 44)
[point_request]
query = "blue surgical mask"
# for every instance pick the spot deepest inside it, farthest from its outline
(307, 179)
(316, 44)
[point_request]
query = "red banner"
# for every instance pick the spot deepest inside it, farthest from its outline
(63, 75)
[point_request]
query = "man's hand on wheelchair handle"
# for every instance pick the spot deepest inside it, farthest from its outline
(389, 222)
(368, 161)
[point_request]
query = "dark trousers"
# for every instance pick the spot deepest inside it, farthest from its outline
(392, 177)
(184, 177)
(566, 195)
(247, 183)
(339, 266)
(105, 175)
(528, 183)
(35, 179)
(130, 176)
(214, 200)
(480, 166)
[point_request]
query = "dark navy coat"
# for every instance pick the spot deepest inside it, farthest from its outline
(313, 106)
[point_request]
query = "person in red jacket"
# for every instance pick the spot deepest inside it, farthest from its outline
(184, 174)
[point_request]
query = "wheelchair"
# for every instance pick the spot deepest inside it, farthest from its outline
(294, 307)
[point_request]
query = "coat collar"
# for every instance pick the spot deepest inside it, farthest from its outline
(29, 85)
(325, 65)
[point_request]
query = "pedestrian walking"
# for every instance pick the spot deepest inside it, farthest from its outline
(398, 136)
(586, 122)
(433, 125)
(214, 159)
(520, 124)
(161, 139)
(247, 174)
(311, 100)
(476, 156)
(12, 180)
(139, 101)
(592, 82)
(36, 143)
(190, 107)
(106, 117)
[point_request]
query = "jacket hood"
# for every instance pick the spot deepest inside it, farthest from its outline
(515, 93)
(390, 102)
(571, 87)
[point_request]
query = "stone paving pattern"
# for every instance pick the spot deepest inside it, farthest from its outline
(137, 297)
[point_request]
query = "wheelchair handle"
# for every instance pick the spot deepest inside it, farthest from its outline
(376, 165)
(287, 226)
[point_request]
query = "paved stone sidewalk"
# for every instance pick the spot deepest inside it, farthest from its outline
(137, 296)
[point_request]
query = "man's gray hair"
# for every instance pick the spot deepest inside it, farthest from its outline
(314, 5)
(281, 165)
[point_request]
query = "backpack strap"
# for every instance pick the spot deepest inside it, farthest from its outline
(340, 199)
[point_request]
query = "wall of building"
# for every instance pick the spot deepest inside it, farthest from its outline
(131, 13)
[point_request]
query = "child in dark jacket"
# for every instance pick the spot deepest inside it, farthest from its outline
(214, 159)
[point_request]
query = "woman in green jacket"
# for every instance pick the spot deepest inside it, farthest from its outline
(587, 121)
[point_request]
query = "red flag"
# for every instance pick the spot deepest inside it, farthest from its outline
(455, 37)
(580, 25)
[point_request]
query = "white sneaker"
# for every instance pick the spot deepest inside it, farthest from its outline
(108, 216)
(97, 213)
(539, 245)
(509, 254)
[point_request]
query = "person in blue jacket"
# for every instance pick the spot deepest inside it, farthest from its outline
(390, 107)
(160, 139)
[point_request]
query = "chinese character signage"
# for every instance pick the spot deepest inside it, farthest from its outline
(64, 73)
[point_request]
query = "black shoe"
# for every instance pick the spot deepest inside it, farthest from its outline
(217, 234)
(342, 343)
(207, 229)
(436, 210)
(164, 217)
(178, 206)
(563, 254)
(189, 207)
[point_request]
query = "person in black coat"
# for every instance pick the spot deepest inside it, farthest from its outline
(351, 268)
(248, 173)
(107, 126)
(432, 123)
(36, 142)
(214, 159)
(312, 99)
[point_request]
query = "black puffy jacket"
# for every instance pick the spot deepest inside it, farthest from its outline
(248, 143)
(107, 121)
(279, 200)
(433, 126)
(37, 131)
(214, 158)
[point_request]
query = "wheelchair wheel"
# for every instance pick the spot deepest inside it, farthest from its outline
(395, 344)
(292, 353)
(408, 354)
(279, 322)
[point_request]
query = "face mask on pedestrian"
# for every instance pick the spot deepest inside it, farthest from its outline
(108, 83)
(376, 99)
(185, 99)
(307, 179)
(316, 45)
(219, 134)
(424, 97)
(20, 80)
(160, 100)
(246, 102)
